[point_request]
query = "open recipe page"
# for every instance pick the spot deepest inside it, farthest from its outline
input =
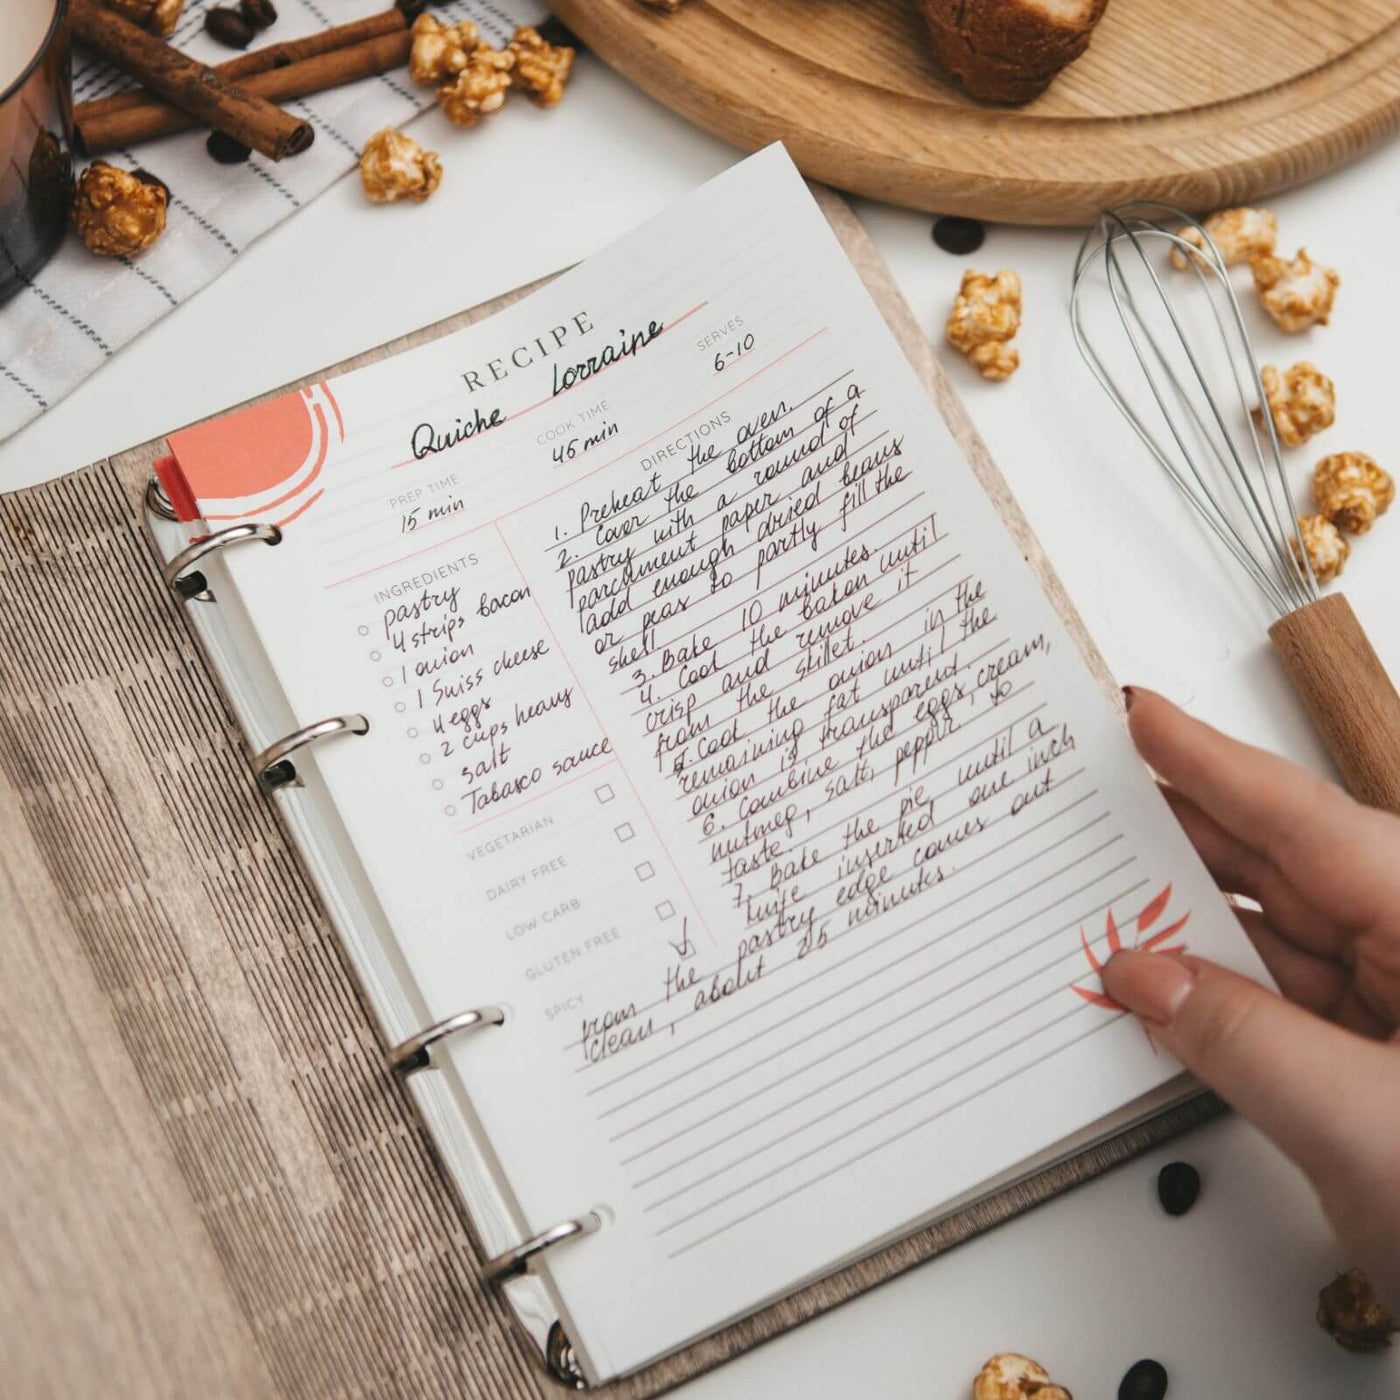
(720, 733)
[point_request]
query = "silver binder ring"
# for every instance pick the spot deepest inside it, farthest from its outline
(157, 502)
(188, 582)
(517, 1261)
(415, 1053)
(274, 766)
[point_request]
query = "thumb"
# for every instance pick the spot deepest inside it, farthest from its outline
(1311, 1086)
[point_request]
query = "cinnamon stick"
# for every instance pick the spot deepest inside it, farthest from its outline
(101, 126)
(194, 88)
(280, 55)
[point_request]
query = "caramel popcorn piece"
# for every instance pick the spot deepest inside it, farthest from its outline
(541, 68)
(480, 88)
(164, 16)
(1296, 294)
(987, 313)
(1349, 1311)
(1301, 400)
(1010, 1377)
(159, 16)
(440, 51)
(995, 359)
(1241, 235)
(1351, 490)
(117, 213)
(1326, 546)
(987, 308)
(394, 166)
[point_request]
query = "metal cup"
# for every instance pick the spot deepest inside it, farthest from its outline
(36, 134)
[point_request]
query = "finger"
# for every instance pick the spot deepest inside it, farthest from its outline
(1238, 869)
(1322, 969)
(1321, 985)
(1340, 852)
(1312, 1087)
(1316, 984)
(1357, 1014)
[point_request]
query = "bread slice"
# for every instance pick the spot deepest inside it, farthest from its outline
(1009, 50)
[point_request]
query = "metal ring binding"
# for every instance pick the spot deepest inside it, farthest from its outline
(192, 586)
(157, 502)
(273, 765)
(560, 1357)
(415, 1053)
(515, 1262)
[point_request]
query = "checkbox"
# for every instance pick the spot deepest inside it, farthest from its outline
(645, 870)
(603, 792)
(665, 910)
(624, 832)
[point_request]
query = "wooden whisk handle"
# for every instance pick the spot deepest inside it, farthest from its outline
(1348, 694)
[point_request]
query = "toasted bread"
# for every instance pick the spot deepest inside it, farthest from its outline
(1009, 50)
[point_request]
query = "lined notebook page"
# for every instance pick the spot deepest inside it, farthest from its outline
(721, 734)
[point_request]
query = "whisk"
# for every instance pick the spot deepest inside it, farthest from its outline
(1190, 404)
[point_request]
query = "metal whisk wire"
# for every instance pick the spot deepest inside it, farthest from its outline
(1234, 480)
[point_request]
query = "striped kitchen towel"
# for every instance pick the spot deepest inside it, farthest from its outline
(80, 309)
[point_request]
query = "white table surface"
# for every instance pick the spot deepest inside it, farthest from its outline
(1224, 1297)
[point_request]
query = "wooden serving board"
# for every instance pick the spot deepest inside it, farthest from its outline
(1201, 103)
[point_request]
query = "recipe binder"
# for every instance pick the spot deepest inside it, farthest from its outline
(283, 767)
(283, 749)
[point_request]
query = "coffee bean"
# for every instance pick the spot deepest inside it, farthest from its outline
(556, 32)
(958, 236)
(227, 25)
(261, 14)
(226, 150)
(1178, 1185)
(1144, 1380)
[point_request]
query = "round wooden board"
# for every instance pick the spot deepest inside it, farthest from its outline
(1202, 103)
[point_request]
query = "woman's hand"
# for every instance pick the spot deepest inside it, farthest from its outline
(1317, 1069)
